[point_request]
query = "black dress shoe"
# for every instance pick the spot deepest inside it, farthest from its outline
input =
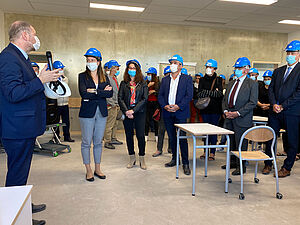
(172, 163)
(186, 169)
(232, 166)
(89, 179)
(38, 222)
(116, 142)
(69, 139)
(100, 176)
(237, 172)
(38, 208)
(109, 146)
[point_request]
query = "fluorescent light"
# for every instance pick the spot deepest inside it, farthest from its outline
(117, 7)
(294, 22)
(258, 2)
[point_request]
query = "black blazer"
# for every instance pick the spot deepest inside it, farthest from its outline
(90, 101)
(286, 93)
(141, 97)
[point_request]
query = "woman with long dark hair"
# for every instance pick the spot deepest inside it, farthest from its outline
(132, 98)
(94, 88)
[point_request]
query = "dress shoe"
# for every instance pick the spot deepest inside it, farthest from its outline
(283, 172)
(100, 176)
(38, 222)
(186, 169)
(89, 179)
(116, 142)
(69, 139)
(267, 170)
(38, 208)
(237, 172)
(172, 163)
(157, 153)
(232, 166)
(109, 146)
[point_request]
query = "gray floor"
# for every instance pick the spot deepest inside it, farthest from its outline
(154, 196)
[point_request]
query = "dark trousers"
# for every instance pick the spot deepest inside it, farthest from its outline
(172, 132)
(161, 135)
(214, 120)
(291, 124)
(236, 137)
(151, 107)
(63, 113)
(138, 122)
(19, 154)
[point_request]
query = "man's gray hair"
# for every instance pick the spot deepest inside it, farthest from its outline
(16, 28)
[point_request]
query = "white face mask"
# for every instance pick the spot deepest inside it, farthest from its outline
(174, 68)
(209, 71)
(92, 66)
(196, 85)
(37, 43)
(108, 72)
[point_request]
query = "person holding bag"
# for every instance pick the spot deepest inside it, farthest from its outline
(211, 89)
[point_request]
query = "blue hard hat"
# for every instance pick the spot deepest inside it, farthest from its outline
(177, 58)
(199, 74)
(58, 65)
(184, 71)
(167, 70)
(94, 53)
(34, 64)
(212, 63)
(241, 62)
(105, 65)
(152, 70)
(231, 76)
(268, 73)
(112, 63)
(223, 76)
(293, 46)
(253, 70)
(135, 61)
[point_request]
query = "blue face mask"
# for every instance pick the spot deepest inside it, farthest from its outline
(253, 78)
(267, 82)
(238, 73)
(149, 77)
(117, 73)
(132, 73)
(291, 59)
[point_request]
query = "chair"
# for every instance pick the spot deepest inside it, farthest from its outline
(257, 134)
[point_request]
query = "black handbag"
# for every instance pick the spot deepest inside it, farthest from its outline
(202, 103)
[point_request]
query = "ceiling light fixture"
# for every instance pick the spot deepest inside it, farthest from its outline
(258, 2)
(293, 22)
(116, 7)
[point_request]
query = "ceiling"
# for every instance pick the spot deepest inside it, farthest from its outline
(213, 13)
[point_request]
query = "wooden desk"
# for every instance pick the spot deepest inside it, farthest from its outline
(200, 130)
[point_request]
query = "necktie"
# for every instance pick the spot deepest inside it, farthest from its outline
(231, 98)
(287, 73)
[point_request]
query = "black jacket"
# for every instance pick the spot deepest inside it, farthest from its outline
(141, 97)
(90, 101)
(216, 94)
(286, 93)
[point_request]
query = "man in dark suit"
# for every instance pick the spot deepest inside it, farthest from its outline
(284, 96)
(22, 104)
(239, 101)
(175, 94)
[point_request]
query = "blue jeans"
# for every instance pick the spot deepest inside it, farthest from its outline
(214, 120)
(92, 129)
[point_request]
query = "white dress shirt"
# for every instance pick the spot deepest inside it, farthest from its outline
(237, 90)
(173, 89)
(22, 51)
(287, 67)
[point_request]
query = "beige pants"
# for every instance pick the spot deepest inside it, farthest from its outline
(111, 124)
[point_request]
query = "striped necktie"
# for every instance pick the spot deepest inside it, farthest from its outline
(287, 73)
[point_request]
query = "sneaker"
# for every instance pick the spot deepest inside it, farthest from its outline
(109, 146)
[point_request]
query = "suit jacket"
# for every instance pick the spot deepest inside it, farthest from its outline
(183, 97)
(245, 102)
(22, 99)
(90, 101)
(286, 93)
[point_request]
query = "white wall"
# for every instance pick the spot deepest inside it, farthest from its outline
(2, 30)
(294, 36)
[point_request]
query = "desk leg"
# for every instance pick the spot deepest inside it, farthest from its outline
(206, 155)
(227, 164)
(194, 164)
(177, 154)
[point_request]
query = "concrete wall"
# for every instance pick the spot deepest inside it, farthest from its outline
(294, 36)
(69, 38)
(2, 30)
